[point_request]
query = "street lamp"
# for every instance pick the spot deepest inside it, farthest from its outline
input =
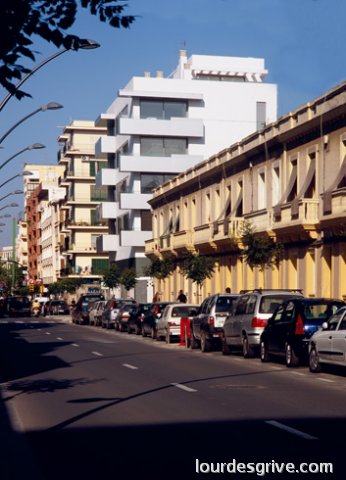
(79, 43)
(16, 192)
(24, 173)
(43, 108)
(34, 146)
(10, 205)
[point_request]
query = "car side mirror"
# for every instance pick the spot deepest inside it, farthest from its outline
(325, 326)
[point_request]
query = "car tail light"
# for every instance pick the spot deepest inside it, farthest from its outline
(299, 326)
(172, 324)
(258, 322)
(211, 320)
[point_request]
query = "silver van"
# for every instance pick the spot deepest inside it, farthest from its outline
(244, 325)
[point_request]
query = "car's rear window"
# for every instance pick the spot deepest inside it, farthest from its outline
(224, 304)
(92, 299)
(269, 303)
(320, 311)
(183, 311)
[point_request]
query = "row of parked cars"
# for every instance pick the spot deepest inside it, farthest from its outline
(265, 323)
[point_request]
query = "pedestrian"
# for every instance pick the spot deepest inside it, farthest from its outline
(156, 297)
(182, 297)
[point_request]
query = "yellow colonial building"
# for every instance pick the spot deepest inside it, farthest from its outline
(288, 181)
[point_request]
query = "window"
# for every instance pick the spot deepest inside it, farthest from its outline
(151, 181)
(261, 190)
(162, 109)
(261, 108)
(98, 194)
(162, 147)
(146, 220)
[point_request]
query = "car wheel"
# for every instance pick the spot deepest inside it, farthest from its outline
(193, 342)
(265, 357)
(314, 361)
(225, 349)
(248, 351)
(205, 343)
(292, 360)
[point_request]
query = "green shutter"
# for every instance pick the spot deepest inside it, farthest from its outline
(99, 265)
(92, 169)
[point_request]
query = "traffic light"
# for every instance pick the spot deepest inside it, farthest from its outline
(31, 287)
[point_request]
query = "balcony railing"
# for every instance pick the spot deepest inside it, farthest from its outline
(305, 212)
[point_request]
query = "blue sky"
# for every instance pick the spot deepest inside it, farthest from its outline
(302, 42)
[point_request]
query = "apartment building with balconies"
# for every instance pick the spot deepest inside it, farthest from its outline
(288, 181)
(79, 225)
(159, 126)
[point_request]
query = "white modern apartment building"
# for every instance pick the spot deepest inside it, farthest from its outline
(160, 126)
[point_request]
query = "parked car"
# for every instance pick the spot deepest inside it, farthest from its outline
(57, 307)
(123, 316)
(328, 345)
(99, 309)
(18, 305)
(168, 325)
(111, 310)
(80, 312)
(288, 331)
(244, 325)
(207, 325)
(92, 311)
(134, 322)
(150, 319)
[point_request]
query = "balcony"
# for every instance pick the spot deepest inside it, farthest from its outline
(107, 243)
(261, 220)
(108, 210)
(203, 240)
(175, 127)
(337, 206)
(298, 222)
(109, 144)
(227, 233)
(182, 241)
(152, 249)
(129, 238)
(172, 164)
(83, 225)
(135, 201)
(109, 177)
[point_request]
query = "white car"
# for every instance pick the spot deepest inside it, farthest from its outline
(168, 325)
(328, 346)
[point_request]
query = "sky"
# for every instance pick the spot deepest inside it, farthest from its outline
(302, 42)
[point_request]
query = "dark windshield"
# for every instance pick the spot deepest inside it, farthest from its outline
(224, 304)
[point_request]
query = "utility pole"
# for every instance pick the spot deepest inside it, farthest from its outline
(14, 235)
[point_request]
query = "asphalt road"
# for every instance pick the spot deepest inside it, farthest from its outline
(80, 402)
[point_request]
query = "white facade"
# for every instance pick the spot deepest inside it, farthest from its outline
(158, 127)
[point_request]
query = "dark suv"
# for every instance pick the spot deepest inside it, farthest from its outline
(207, 325)
(288, 331)
(19, 306)
(80, 313)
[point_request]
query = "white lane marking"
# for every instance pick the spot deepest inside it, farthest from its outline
(19, 321)
(47, 333)
(325, 380)
(39, 329)
(75, 345)
(183, 387)
(58, 338)
(132, 367)
(97, 354)
(299, 433)
(299, 373)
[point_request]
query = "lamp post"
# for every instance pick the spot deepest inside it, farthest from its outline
(34, 146)
(16, 192)
(9, 205)
(43, 108)
(23, 174)
(82, 43)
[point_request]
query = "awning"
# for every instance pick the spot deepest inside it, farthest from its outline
(286, 194)
(308, 179)
(327, 196)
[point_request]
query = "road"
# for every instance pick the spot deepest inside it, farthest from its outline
(81, 402)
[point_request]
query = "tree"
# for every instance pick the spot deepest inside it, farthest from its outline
(259, 250)
(128, 278)
(111, 277)
(64, 285)
(20, 20)
(198, 268)
(159, 269)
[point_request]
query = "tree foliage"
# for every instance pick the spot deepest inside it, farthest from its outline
(111, 277)
(159, 269)
(259, 250)
(128, 278)
(64, 285)
(198, 267)
(20, 20)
